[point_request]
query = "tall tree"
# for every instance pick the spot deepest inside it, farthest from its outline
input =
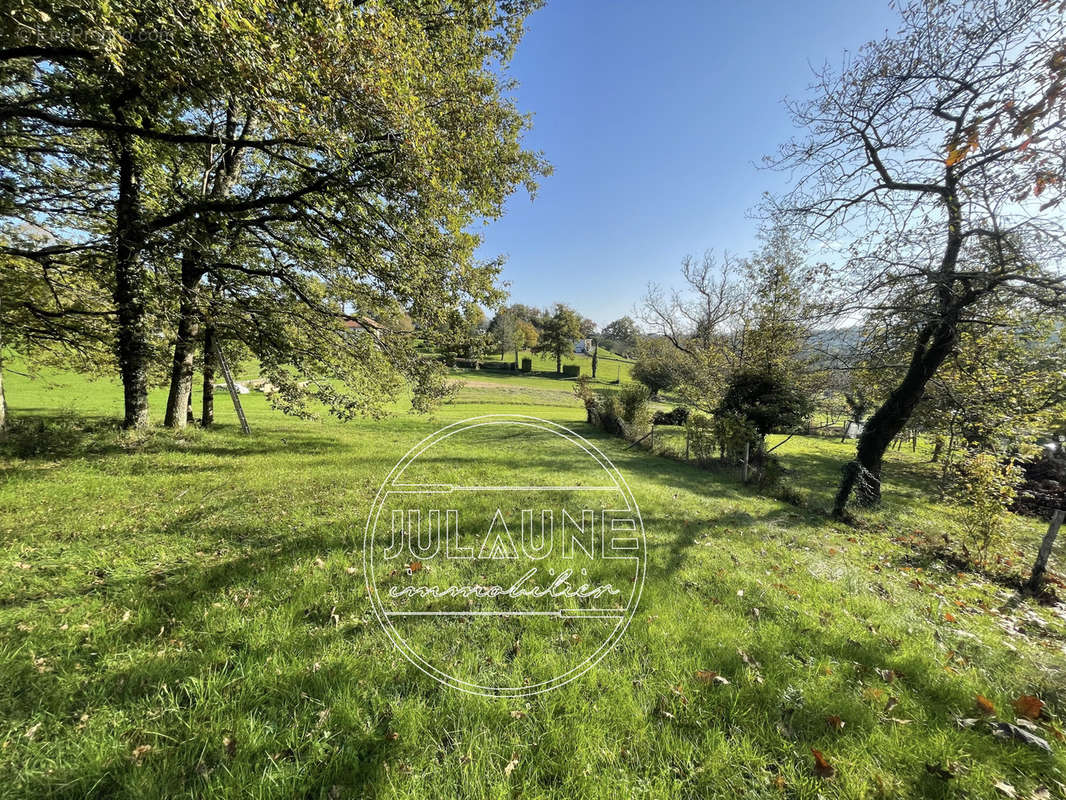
(933, 157)
(504, 330)
(558, 332)
(526, 337)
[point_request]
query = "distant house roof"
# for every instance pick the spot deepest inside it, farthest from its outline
(364, 324)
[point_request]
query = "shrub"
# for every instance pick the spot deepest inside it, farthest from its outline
(571, 370)
(502, 366)
(658, 365)
(527, 365)
(702, 441)
(634, 400)
(731, 433)
(583, 392)
(985, 486)
(766, 400)
(679, 416)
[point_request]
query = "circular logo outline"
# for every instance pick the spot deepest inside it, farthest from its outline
(414, 657)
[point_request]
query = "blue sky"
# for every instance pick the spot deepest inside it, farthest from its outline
(655, 117)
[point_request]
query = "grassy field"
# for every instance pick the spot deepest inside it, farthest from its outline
(186, 615)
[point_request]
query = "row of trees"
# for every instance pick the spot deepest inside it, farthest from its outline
(552, 332)
(294, 182)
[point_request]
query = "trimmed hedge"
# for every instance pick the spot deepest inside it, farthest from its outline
(503, 366)
(571, 370)
(527, 365)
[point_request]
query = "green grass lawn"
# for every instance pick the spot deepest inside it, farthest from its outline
(186, 615)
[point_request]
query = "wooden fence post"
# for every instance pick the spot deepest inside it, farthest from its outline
(1040, 567)
(747, 452)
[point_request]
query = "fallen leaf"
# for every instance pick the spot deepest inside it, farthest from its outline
(1029, 706)
(518, 714)
(414, 566)
(1005, 730)
(229, 744)
(1005, 789)
(892, 703)
(32, 731)
(949, 616)
(511, 764)
(822, 768)
(984, 705)
(834, 722)
(392, 736)
(887, 675)
(710, 677)
(139, 752)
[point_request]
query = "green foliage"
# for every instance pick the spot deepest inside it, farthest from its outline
(571, 370)
(634, 401)
(620, 336)
(658, 365)
(294, 168)
(527, 365)
(703, 438)
(558, 331)
(732, 432)
(985, 486)
(767, 401)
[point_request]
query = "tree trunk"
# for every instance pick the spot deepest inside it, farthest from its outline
(132, 345)
(595, 357)
(185, 346)
(516, 357)
(863, 475)
(207, 415)
(559, 362)
(936, 340)
(1036, 579)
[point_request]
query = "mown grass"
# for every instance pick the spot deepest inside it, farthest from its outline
(185, 615)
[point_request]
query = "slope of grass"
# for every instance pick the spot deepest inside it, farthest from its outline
(185, 615)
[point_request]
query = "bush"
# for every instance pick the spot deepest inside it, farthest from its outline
(679, 416)
(527, 365)
(986, 487)
(731, 433)
(702, 440)
(502, 366)
(634, 400)
(766, 400)
(571, 370)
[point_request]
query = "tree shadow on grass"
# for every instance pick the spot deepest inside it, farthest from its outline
(131, 666)
(62, 436)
